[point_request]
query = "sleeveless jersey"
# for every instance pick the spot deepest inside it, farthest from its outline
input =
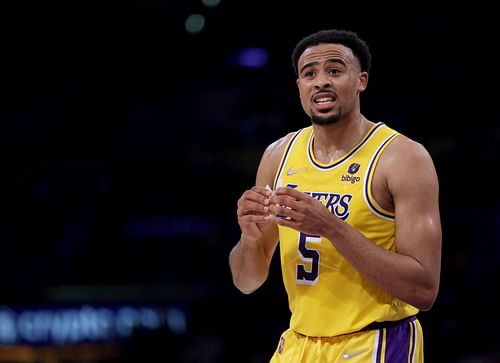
(326, 295)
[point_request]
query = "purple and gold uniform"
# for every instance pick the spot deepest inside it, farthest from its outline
(330, 301)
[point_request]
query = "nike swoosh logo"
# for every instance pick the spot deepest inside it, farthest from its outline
(291, 172)
(349, 356)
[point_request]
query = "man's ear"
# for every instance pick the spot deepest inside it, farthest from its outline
(363, 81)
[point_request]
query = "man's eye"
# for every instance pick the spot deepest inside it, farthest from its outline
(309, 74)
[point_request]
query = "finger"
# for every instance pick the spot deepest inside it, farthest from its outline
(285, 212)
(266, 191)
(287, 201)
(255, 218)
(286, 222)
(259, 195)
(249, 207)
(292, 192)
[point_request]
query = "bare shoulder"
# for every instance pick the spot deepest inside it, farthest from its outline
(270, 160)
(280, 144)
(405, 169)
(407, 162)
(404, 149)
(275, 150)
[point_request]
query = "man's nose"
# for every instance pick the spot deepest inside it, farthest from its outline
(323, 80)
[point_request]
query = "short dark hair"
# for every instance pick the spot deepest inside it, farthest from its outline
(334, 36)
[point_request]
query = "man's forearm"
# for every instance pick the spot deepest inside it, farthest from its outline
(249, 266)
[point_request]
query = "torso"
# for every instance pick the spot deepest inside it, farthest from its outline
(354, 190)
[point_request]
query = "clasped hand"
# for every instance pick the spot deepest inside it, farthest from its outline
(260, 207)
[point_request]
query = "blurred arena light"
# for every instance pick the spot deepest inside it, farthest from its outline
(195, 23)
(176, 321)
(61, 325)
(252, 57)
(210, 3)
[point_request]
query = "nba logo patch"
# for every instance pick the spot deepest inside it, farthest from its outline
(281, 345)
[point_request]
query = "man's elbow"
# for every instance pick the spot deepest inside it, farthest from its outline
(246, 290)
(425, 299)
(247, 286)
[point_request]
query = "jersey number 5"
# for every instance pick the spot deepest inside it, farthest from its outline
(308, 272)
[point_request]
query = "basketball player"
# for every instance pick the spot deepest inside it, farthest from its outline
(354, 207)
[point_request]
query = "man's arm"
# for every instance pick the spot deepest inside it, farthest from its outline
(250, 258)
(412, 272)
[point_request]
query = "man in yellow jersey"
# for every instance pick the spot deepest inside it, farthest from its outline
(354, 207)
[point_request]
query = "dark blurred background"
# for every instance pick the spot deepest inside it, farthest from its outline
(129, 129)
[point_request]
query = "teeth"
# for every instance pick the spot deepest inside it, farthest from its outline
(324, 99)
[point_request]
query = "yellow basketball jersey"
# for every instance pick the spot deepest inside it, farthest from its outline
(326, 295)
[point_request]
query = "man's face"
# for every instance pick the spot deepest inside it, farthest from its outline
(329, 82)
